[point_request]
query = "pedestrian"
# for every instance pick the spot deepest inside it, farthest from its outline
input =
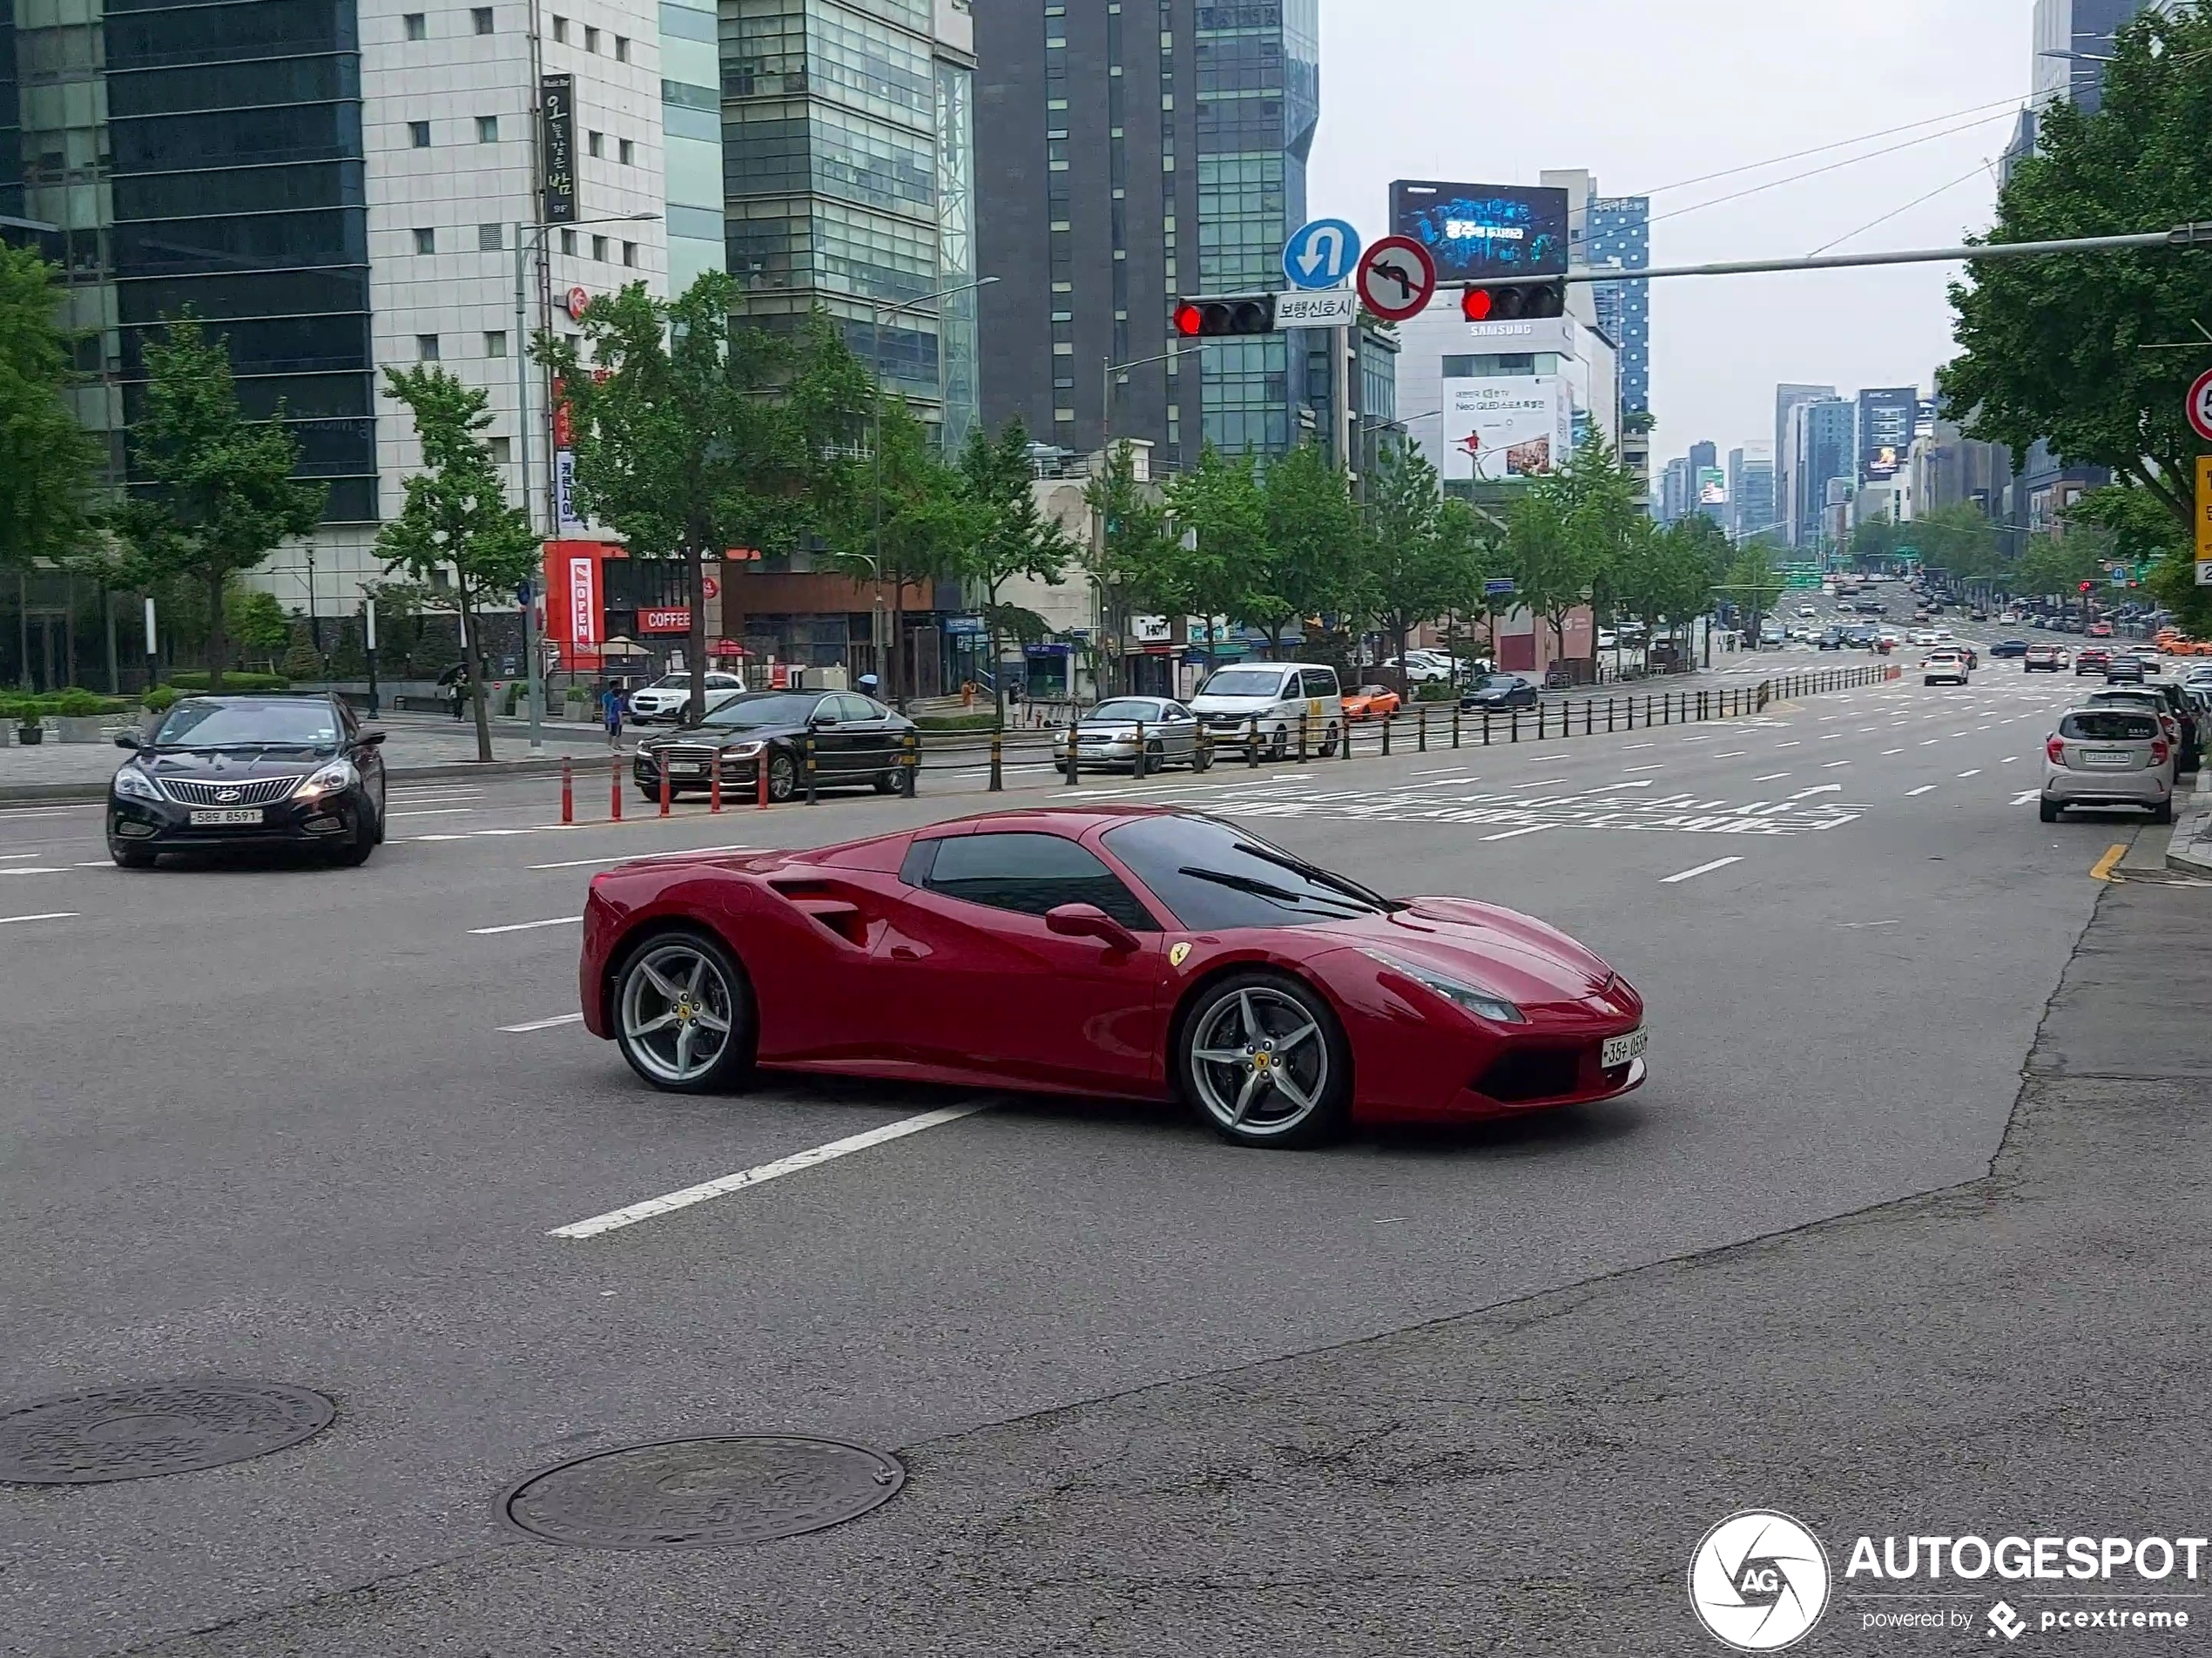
(870, 686)
(460, 690)
(610, 711)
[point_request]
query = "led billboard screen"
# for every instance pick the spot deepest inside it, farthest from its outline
(1483, 230)
(1517, 426)
(1712, 486)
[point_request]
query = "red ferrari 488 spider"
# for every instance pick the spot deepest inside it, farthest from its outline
(1127, 950)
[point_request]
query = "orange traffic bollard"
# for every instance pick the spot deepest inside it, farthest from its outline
(614, 772)
(567, 790)
(760, 775)
(664, 785)
(714, 787)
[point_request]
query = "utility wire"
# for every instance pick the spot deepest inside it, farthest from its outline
(1814, 173)
(1840, 144)
(1979, 168)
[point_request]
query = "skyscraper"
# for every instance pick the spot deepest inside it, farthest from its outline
(1620, 235)
(1137, 153)
(1787, 397)
(1819, 432)
(1750, 490)
(849, 153)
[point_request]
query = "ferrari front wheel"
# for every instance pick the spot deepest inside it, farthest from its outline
(1264, 1062)
(683, 1013)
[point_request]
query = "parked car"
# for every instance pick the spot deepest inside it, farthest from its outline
(2174, 708)
(1498, 692)
(1107, 735)
(669, 697)
(1283, 698)
(1122, 951)
(2007, 648)
(2108, 757)
(221, 772)
(1371, 702)
(856, 741)
(1425, 667)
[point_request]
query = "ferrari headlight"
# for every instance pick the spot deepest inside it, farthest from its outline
(1486, 1004)
(135, 785)
(339, 774)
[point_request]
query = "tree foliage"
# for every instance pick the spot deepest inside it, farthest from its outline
(223, 497)
(2051, 347)
(47, 459)
(1011, 538)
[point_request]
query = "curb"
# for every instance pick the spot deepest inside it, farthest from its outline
(33, 794)
(2190, 851)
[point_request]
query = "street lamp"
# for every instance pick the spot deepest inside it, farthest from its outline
(875, 441)
(526, 236)
(1108, 368)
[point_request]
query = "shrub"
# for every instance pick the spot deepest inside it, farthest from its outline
(1436, 690)
(160, 699)
(195, 679)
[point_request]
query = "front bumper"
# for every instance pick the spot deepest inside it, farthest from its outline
(162, 825)
(690, 773)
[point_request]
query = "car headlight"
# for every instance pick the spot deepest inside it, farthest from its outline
(331, 779)
(135, 785)
(1486, 1004)
(743, 750)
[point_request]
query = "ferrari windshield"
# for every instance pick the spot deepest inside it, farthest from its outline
(249, 722)
(1213, 875)
(766, 708)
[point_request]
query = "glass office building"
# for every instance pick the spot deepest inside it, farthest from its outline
(847, 162)
(1619, 235)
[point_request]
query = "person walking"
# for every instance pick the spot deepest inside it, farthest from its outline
(460, 690)
(610, 711)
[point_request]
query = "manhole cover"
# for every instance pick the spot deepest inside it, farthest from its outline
(703, 1493)
(154, 1428)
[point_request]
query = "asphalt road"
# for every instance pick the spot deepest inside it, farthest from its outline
(294, 1124)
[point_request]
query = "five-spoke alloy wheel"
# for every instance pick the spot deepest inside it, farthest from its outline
(1263, 1059)
(683, 1013)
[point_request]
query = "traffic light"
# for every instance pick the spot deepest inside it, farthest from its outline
(2086, 586)
(1514, 301)
(1217, 315)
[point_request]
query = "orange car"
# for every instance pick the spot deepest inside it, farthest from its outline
(1371, 702)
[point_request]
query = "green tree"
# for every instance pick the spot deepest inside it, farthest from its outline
(1132, 558)
(2052, 346)
(1220, 510)
(302, 661)
(920, 523)
(47, 460)
(1312, 544)
(223, 497)
(1582, 523)
(457, 517)
(1411, 570)
(255, 619)
(2055, 566)
(1013, 539)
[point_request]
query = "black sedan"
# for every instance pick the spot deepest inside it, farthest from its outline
(1498, 690)
(855, 741)
(2004, 648)
(220, 773)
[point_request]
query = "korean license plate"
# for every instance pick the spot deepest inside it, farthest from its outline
(2112, 760)
(1619, 1050)
(226, 816)
(685, 768)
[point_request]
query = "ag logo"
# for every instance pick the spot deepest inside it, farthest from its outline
(1178, 954)
(1758, 1581)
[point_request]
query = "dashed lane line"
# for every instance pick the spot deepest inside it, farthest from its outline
(1925, 788)
(542, 1024)
(1702, 869)
(1514, 834)
(525, 927)
(44, 915)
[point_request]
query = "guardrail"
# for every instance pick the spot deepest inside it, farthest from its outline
(741, 780)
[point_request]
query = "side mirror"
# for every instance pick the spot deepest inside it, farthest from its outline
(821, 722)
(130, 740)
(1089, 921)
(372, 739)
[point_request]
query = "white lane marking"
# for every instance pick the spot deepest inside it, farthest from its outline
(641, 857)
(480, 835)
(1924, 788)
(1930, 743)
(1733, 754)
(670, 1201)
(48, 812)
(1792, 743)
(34, 869)
(1514, 834)
(436, 811)
(440, 837)
(1975, 772)
(1886, 752)
(524, 926)
(98, 863)
(1830, 765)
(1771, 777)
(1849, 926)
(542, 1024)
(1630, 748)
(2009, 759)
(1702, 869)
(1659, 767)
(44, 915)
(2025, 796)
(1434, 770)
(1824, 788)
(15, 857)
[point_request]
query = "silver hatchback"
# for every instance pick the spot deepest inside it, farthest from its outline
(1108, 735)
(2108, 757)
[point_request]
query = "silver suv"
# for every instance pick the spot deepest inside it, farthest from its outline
(2108, 757)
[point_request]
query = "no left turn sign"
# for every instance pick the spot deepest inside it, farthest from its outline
(1397, 278)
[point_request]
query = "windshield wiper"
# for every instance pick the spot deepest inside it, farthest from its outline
(1260, 888)
(1314, 873)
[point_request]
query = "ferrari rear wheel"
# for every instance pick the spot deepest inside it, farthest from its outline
(683, 1013)
(1263, 1060)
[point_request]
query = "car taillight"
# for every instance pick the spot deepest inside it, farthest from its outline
(2056, 749)
(2158, 750)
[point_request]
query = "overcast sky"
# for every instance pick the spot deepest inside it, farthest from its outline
(1645, 95)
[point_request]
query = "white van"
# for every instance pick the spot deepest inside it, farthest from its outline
(1275, 694)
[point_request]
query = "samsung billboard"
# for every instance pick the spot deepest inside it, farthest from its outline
(1483, 230)
(1502, 428)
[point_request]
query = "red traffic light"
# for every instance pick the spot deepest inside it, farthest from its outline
(2086, 586)
(1474, 304)
(1189, 320)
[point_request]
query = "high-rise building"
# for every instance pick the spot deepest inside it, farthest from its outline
(1820, 434)
(849, 156)
(1750, 490)
(1620, 236)
(1674, 490)
(2071, 40)
(1138, 152)
(1886, 419)
(1787, 397)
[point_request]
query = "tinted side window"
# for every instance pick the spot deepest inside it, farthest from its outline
(1320, 681)
(1032, 873)
(851, 707)
(2115, 727)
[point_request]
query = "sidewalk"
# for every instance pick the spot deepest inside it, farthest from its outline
(417, 745)
(2191, 850)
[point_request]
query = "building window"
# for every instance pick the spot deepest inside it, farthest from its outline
(487, 129)
(597, 142)
(481, 17)
(629, 253)
(418, 26)
(568, 243)
(599, 249)
(561, 30)
(495, 342)
(426, 241)
(426, 348)
(590, 39)
(490, 239)
(503, 451)
(418, 134)
(625, 152)
(622, 49)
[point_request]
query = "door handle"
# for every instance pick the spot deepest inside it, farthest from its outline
(904, 953)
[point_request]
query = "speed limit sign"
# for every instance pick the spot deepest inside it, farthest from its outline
(2200, 408)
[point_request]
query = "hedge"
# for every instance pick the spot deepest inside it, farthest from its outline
(75, 703)
(195, 679)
